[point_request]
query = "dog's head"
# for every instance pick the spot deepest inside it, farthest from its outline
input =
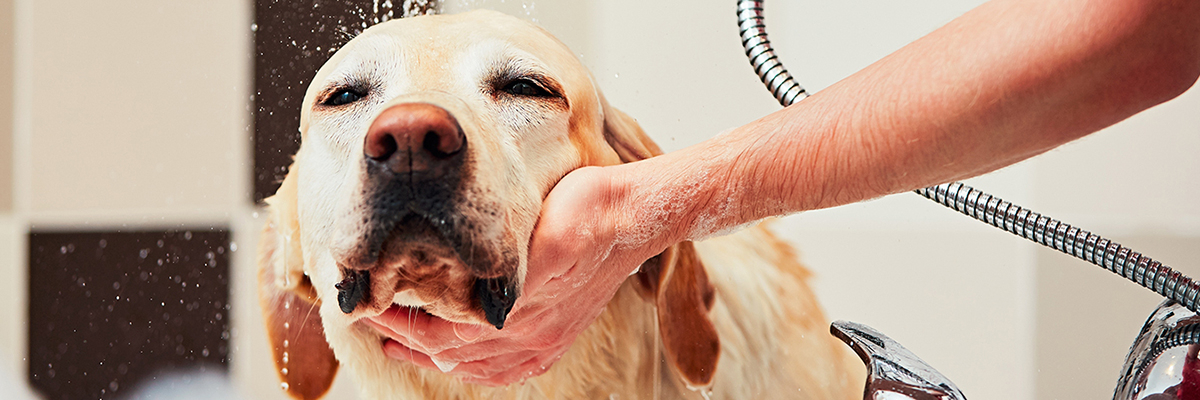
(428, 146)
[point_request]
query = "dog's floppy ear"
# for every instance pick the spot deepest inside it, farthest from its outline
(675, 280)
(303, 359)
(679, 286)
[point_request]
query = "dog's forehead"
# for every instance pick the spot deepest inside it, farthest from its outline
(440, 50)
(429, 45)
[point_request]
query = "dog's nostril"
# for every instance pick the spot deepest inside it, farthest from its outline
(381, 148)
(442, 144)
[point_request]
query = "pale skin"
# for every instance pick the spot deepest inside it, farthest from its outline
(1004, 82)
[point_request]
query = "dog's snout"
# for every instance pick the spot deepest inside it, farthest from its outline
(414, 137)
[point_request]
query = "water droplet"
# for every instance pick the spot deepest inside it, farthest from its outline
(284, 371)
(143, 253)
(285, 343)
(254, 28)
(113, 386)
(283, 386)
(287, 325)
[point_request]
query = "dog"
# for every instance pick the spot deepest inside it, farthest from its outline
(428, 145)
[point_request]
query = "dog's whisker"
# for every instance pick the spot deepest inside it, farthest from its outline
(410, 328)
(311, 307)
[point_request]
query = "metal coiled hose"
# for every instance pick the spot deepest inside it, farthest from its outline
(762, 56)
(984, 207)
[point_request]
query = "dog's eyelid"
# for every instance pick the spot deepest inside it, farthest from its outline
(337, 95)
(548, 86)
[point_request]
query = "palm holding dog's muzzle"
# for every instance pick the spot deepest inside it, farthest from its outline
(574, 271)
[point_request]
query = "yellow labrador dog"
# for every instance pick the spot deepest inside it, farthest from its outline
(428, 146)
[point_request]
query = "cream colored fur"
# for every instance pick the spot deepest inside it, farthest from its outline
(774, 338)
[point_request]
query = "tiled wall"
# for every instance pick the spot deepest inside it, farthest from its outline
(6, 75)
(130, 137)
(135, 115)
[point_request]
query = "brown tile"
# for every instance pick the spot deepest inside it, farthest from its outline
(110, 309)
(292, 40)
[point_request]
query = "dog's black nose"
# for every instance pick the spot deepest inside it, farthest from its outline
(496, 297)
(415, 138)
(352, 289)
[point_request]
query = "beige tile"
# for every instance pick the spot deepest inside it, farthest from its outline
(12, 294)
(823, 42)
(1142, 172)
(1088, 317)
(6, 107)
(959, 300)
(675, 66)
(138, 105)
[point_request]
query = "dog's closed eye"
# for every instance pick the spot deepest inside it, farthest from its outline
(344, 96)
(526, 87)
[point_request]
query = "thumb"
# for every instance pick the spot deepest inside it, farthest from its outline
(573, 224)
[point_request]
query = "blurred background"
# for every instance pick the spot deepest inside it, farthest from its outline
(130, 170)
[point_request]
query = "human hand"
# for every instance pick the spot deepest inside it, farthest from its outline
(578, 258)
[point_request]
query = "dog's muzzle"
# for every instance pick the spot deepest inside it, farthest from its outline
(415, 158)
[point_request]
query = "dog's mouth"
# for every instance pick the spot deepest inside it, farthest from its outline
(423, 269)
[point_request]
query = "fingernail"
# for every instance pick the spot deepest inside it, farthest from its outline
(468, 332)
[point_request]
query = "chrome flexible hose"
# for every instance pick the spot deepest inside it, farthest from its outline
(762, 56)
(1067, 239)
(992, 210)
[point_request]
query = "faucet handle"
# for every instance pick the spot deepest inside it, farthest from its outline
(893, 372)
(1164, 362)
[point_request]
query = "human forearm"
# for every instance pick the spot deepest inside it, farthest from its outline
(1006, 81)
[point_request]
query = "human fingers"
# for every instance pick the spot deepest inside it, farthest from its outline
(493, 371)
(394, 349)
(488, 368)
(531, 367)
